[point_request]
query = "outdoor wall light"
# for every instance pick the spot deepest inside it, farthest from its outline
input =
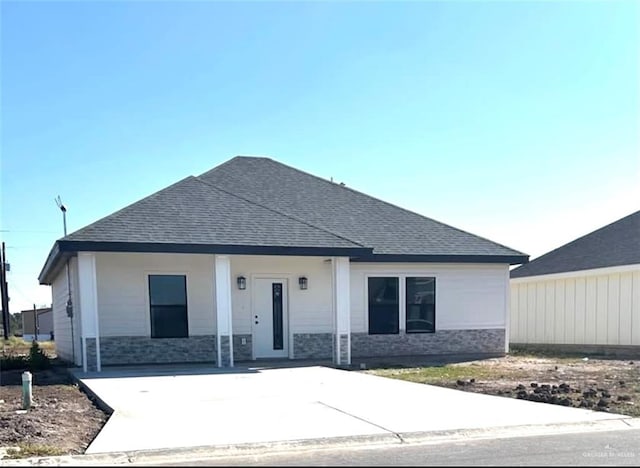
(303, 282)
(242, 282)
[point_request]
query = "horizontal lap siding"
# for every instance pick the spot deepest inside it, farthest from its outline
(61, 322)
(468, 296)
(593, 310)
(310, 310)
(123, 302)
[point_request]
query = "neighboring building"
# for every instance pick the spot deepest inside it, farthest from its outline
(37, 324)
(584, 295)
(255, 259)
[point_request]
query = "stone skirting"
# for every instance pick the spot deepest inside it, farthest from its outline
(344, 348)
(312, 345)
(242, 352)
(92, 364)
(490, 340)
(225, 354)
(117, 350)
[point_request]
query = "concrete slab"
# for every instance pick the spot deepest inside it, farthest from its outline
(198, 406)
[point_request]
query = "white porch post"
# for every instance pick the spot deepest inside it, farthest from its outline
(88, 292)
(342, 310)
(224, 332)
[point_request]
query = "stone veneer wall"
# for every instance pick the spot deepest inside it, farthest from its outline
(441, 342)
(91, 355)
(242, 352)
(344, 351)
(116, 350)
(225, 355)
(312, 345)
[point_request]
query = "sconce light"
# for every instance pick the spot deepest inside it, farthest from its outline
(242, 282)
(303, 282)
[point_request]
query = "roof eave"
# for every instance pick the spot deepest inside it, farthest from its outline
(448, 258)
(66, 248)
(51, 264)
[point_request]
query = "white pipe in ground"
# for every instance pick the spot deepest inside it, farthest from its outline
(26, 390)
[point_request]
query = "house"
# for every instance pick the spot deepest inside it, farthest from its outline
(37, 324)
(583, 296)
(255, 259)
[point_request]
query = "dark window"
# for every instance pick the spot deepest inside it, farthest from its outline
(168, 301)
(384, 306)
(278, 335)
(421, 305)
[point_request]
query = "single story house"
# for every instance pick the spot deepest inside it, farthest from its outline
(37, 324)
(583, 296)
(256, 259)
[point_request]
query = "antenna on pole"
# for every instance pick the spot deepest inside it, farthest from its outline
(63, 208)
(69, 307)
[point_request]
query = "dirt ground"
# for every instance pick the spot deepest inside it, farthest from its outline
(62, 420)
(599, 384)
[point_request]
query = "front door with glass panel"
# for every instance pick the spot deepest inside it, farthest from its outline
(269, 316)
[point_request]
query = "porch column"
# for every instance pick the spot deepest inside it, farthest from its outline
(342, 310)
(88, 292)
(224, 332)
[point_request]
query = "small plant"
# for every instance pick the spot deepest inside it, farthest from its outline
(38, 360)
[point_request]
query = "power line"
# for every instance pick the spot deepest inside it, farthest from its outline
(28, 230)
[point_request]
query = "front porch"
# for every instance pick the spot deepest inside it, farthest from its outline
(235, 308)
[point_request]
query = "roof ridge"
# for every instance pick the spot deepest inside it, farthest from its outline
(295, 218)
(229, 161)
(391, 204)
(148, 197)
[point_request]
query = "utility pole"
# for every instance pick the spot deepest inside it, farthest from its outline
(36, 325)
(4, 293)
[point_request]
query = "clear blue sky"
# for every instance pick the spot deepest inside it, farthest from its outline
(517, 121)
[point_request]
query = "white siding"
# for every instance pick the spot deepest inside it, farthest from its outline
(310, 310)
(61, 322)
(123, 297)
(635, 308)
(581, 308)
(468, 296)
(580, 311)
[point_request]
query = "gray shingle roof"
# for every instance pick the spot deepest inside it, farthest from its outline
(257, 205)
(616, 244)
(386, 228)
(193, 212)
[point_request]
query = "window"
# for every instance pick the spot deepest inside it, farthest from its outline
(421, 305)
(168, 301)
(389, 295)
(384, 305)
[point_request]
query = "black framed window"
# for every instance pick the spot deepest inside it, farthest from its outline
(168, 302)
(421, 304)
(384, 305)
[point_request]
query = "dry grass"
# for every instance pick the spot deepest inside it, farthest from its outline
(518, 375)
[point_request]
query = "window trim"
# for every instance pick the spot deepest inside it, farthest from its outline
(402, 303)
(147, 298)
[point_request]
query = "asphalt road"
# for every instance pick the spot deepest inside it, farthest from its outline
(613, 448)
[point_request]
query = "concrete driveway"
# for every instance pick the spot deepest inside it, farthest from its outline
(210, 407)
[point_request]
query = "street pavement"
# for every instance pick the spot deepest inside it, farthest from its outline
(611, 448)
